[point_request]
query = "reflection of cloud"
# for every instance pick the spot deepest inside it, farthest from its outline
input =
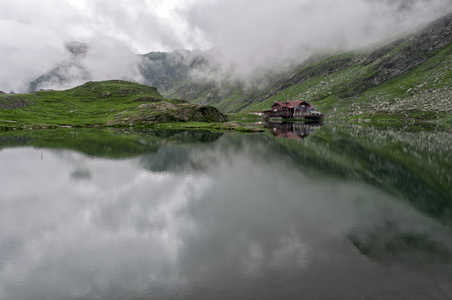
(122, 221)
(247, 213)
(288, 252)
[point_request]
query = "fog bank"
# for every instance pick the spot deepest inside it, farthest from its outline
(250, 36)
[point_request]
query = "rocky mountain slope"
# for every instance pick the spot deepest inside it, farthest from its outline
(411, 77)
(67, 71)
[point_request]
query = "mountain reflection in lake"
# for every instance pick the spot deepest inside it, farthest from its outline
(347, 213)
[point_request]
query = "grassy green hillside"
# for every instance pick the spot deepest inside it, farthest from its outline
(106, 103)
(423, 93)
(408, 80)
(94, 103)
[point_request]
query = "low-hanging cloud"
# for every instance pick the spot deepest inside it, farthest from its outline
(258, 35)
(101, 59)
(250, 36)
(34, 34)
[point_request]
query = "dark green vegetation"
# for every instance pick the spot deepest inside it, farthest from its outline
(113, 143)
(408, 80)
(108, 103)
(413, 163)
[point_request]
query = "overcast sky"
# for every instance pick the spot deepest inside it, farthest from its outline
(250, 33)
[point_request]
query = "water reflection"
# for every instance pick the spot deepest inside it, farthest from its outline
(110, 143)
(292, 130)
(81, 174)
(388, 244)
(233, 216)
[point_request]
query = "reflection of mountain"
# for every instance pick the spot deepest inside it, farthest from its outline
(292, 130)
(412, 164)
(169, 158)
(108, 143)
(388, 244)
(180, 157)
(232, 212)
(395, 161)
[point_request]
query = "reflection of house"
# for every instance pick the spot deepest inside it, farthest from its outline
(293, 110)
(293, 130)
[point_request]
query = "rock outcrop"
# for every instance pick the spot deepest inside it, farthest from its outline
(162, 111)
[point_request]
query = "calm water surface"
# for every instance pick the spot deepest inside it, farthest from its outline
(340, 213)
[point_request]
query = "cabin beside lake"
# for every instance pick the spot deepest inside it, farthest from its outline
(293, 110)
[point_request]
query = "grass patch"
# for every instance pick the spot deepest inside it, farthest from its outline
(112, 103)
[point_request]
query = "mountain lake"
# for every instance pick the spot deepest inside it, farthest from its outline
(301, 211)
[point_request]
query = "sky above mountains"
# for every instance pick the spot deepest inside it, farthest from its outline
(251, 34)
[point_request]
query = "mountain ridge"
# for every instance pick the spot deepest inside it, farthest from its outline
(334, 83)
(343, 78)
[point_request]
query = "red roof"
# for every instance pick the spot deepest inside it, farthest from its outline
(292, 104)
